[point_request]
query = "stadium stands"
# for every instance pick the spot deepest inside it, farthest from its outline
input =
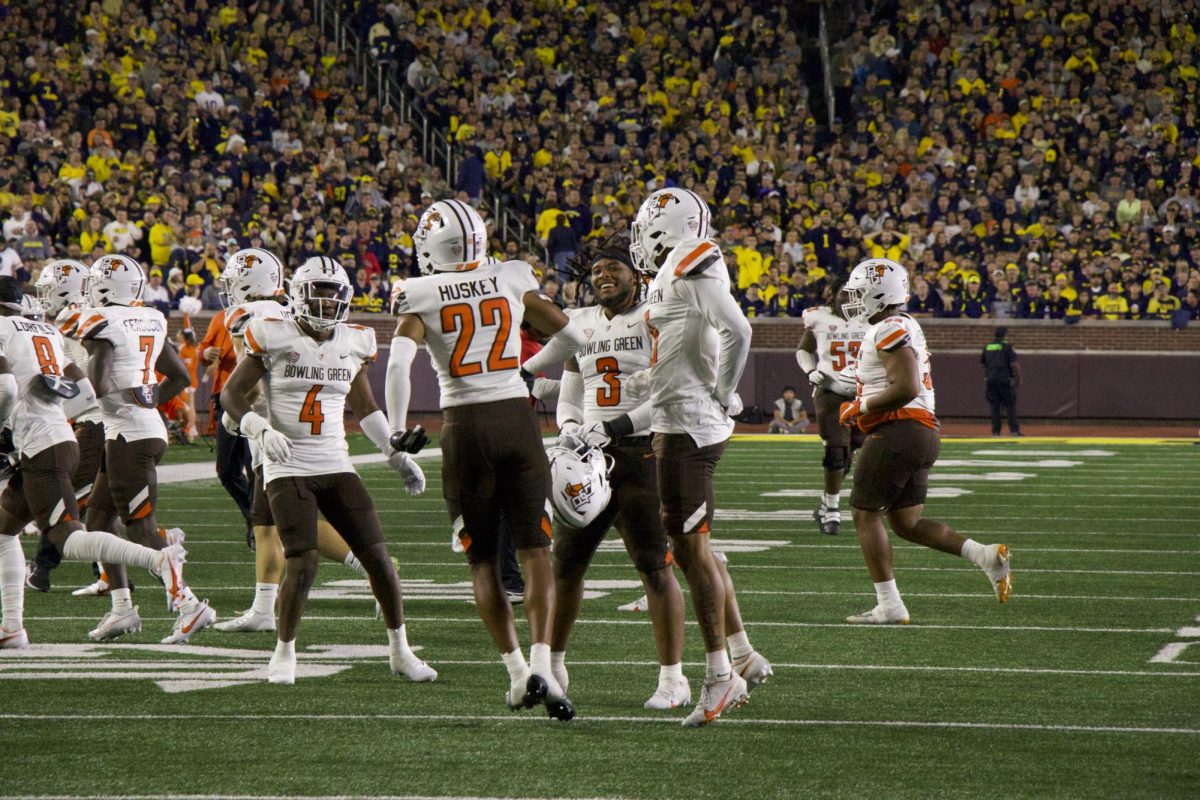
(1019, 166)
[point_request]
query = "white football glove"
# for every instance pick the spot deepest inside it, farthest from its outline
(734, 406)
(410, 471)
(568, 435)
(594, 435)
(228, 423)
(274, 445)
(638, 383)
(820, 379)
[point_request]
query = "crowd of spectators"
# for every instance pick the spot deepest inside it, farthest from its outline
(1023, 159)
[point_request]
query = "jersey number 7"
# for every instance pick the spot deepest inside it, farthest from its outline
(493, 312)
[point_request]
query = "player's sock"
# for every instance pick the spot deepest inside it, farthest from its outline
(398, 642)
(717, 666)
(539, 658)
(831, 500)
(122, 600)
(105, 547)
(887, 594)
(264, 598)
(515, 663)
(354, 564)
(558, 660)
(12, 583)
(973, 551)
(669, 676)
(739, 645)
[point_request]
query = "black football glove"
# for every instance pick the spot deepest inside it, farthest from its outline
(410, 441)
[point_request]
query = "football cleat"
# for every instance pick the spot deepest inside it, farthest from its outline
(13, 640)
(828, 519)
(191, 620)
(754, 668)
(999, 572)
(641, 604)
(282, 668)
(678, 696)
(37, 578)
(411, 667)
(561, 709)
(250, 621)
(527, 692)
(881, 615)
(97, 589)
(114, 625)
(717, 697)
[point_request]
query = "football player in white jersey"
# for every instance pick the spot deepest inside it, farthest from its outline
(127, 345)
(253, 281)
(36, 380)
(828, 354)
(312, 367)
(467, 309)
(895, 407)
(701, 342)
(600, 407)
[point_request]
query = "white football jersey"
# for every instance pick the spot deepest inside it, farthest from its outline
(472, 318)
(236, 320)
(68, 325)
(686, 343)
(893, 333)
(615, 349)
(306, 386)
(34, 349)
(137, 334)
(838, 341)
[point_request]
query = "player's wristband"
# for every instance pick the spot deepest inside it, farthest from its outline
(619, 428)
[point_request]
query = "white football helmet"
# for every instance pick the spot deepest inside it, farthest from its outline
(579, 487)
(31, 308)
(321, 293)
(61, 283)
(115, 280)
(666, 218)
(874, 285)
(449, 232)
(252, 272)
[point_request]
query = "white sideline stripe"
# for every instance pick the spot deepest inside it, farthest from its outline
(638, 620)
(527, 718)
(283, 796)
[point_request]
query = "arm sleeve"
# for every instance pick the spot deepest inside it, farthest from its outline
(570, 399)
(375, 427)
(561, 346)
(724, 314)
(398, 386)
(641, 417)
(806, 360)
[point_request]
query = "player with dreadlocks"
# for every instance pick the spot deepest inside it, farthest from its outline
(599, 408)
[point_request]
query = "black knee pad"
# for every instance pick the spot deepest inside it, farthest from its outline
(836, 457)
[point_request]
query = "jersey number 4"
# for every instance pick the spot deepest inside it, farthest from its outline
(310, 411)
(493, 313)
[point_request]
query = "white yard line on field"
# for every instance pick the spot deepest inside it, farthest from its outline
(582, 720)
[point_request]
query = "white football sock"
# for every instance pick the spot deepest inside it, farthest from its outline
(539, 659)
(886, 593)
(105, 547)
(716, 665)
(558, 660)
(831, 500)
(122, 600)
(739, 645)
(515, 663)
(973, 551)
(354, 564)
(264, 598)
(398, 642)
(670, 675)
(12, 583)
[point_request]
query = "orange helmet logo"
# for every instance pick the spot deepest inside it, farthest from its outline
(665, 199)
(250, 260)
(574, 489)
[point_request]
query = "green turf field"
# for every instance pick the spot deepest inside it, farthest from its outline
(1083, 686)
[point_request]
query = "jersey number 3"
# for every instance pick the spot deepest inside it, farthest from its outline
(493, 312)
(610, 393)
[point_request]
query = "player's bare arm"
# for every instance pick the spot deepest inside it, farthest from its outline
(100, 363)
(550, 320)
(175, 372)
(236, 395)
